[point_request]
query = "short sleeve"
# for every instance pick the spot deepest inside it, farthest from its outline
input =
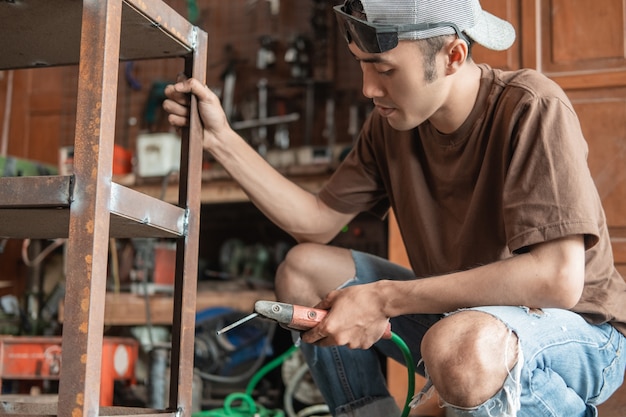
(549, 192)
(357, 185)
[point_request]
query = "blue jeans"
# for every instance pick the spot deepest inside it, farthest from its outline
(565, 367)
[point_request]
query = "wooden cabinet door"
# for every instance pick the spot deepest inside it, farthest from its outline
(582, 47)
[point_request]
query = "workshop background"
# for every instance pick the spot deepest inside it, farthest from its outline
(291, 88)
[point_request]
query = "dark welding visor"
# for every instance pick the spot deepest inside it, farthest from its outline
(374, 38)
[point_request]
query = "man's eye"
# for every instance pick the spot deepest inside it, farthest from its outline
(382, 69)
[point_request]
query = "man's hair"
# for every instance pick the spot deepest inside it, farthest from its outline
(430, 47)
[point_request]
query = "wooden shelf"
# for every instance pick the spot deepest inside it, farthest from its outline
(221, 189)
(126, 309)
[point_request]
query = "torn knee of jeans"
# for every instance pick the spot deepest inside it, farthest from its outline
(426, 392)
(505, 403)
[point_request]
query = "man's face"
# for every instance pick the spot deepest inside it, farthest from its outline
(395, 81)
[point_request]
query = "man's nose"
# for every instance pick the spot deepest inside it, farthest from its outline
(371, 87)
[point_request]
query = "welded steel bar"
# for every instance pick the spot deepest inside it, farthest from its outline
(185, 285)
(40, 191)
(167, 19)
(87, 249)
(144, 210)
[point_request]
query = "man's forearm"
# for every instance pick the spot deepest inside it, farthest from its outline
(550, 275)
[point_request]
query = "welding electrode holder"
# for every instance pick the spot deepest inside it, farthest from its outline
(296, 317)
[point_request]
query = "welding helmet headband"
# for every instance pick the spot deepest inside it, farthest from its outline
(374, 38)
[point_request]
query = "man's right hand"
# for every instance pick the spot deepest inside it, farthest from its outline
(212, 115)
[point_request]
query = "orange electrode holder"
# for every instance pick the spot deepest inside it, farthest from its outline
(292, 316)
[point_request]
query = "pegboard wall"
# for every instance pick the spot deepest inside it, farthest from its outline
(292, 45)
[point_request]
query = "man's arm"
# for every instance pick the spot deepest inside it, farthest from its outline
(295, 210)
(550, 274)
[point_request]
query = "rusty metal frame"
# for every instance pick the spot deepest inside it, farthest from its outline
(93, 200)
(88, 207)
(183, 334)
(88, 237)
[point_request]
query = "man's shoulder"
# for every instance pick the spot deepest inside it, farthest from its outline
(527, 79)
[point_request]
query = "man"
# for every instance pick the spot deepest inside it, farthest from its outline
(513, 306)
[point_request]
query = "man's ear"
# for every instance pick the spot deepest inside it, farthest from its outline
(457, 54)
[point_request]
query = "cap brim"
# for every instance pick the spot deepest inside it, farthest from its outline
(492, 32)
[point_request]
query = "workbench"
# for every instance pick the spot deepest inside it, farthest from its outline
(218, 188)
(129, 309)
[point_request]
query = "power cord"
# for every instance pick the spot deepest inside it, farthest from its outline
(247, 407)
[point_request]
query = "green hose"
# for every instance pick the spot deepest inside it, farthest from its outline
(248, 408)
(274, 363)
(410, 366)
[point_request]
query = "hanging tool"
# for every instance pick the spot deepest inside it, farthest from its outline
(290, 315)
(192, 11)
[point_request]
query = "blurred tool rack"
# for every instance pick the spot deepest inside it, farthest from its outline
(88, 207)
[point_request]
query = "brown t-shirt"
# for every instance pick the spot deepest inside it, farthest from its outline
(513, 175)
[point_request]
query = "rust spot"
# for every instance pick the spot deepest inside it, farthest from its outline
(80, 400)
(83, 358)
(83, 328)
(90, 226)
(84, 303)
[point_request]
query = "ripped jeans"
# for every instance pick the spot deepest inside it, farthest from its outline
(566, 367)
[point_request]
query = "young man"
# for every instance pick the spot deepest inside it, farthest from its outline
(513, 306)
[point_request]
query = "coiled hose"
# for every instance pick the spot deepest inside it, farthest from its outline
(247, 407)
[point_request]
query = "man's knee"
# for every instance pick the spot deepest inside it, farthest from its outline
(310, 271)
(468, 356)
(292, 272)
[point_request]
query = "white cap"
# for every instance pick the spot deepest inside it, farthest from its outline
(481, 26)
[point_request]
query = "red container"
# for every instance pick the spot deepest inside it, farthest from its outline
(122, 160)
